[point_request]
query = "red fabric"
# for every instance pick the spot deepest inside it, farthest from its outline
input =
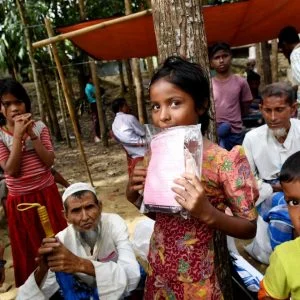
(25, 230)
(181, 259)
(237, 24)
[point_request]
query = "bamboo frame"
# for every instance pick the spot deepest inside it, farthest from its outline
(54, 39)
(67, 96)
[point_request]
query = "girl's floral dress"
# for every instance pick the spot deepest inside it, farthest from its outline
(181, 255)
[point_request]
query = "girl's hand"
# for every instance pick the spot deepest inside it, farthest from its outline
(135, 184)
(137, 178)
(30, 131)
(22, 122)
(192, 197)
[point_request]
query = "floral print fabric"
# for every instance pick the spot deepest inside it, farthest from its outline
(181, 254)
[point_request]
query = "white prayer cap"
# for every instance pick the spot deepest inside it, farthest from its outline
(77, 187)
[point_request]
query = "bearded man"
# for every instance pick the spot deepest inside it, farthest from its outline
(92, 257)
(267, 148)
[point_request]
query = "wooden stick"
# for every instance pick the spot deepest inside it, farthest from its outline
(100, 112)
(67, 96)
(53, 39)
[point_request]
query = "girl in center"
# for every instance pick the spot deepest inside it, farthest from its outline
(181, 254)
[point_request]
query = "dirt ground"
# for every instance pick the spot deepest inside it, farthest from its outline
(108, 168)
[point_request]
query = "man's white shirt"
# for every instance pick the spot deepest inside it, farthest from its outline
(116, 268)
(128, 130)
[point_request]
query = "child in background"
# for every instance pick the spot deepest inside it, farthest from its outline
(281, 280)
(26, 156)
(181, 255)
(232, 97)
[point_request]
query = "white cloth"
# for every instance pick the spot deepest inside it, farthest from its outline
(116, 268)
(77, 187)
(295, 64)
(128, 130)
(265, 154)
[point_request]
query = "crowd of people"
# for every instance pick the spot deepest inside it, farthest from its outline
(87, 254)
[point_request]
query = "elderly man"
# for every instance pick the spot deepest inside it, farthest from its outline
(94, 249)
(267, 147)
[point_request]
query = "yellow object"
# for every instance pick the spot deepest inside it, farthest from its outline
(281, 280)
(43, 215)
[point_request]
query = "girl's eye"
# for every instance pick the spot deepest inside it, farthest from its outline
(293, 202)
(155, 107)
(174, 103)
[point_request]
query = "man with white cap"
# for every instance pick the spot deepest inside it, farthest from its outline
(94, 249)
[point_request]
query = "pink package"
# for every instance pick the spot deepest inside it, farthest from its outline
(167, 163)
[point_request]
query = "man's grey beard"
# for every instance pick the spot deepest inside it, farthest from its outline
(279, 132)
(90, 236)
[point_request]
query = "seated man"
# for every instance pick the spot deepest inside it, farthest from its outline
(268, 146)
(94, 249)
(129, 132)
(127, 129)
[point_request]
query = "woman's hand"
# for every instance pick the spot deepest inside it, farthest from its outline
(192, 197)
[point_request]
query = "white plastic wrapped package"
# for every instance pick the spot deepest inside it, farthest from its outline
(141, 238)
(172, 152)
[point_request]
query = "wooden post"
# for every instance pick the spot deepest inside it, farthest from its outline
(122, 81)
(63, 111)
(266, 66)
(67, 96)
(62, 106)
(274, 61)
(20, 5)
(101, 115)
(137, 76)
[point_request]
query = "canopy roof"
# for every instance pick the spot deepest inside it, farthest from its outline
(237, 24)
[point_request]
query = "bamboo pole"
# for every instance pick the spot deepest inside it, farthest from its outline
(53, 39)
(67, 96)
(61, 103)
(63, 111)
(100, 112)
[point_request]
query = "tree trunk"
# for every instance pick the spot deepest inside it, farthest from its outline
(177, 34)
(150, 67)
(48, 118)
(138, 80)
(81, 57)
(131, 91)
(274, 61)
(259, 62)
(101, 116)
(51, 105)
(22, 12)
(137, 76)
(121, 73)
(81, 10)
(61, 102)
(266, 66)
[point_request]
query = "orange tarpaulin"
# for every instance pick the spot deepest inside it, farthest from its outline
(237, 24)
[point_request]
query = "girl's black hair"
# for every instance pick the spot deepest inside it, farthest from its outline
(11, 86)
(190, 78)
(290, 170)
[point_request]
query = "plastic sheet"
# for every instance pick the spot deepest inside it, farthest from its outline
(171, 152)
